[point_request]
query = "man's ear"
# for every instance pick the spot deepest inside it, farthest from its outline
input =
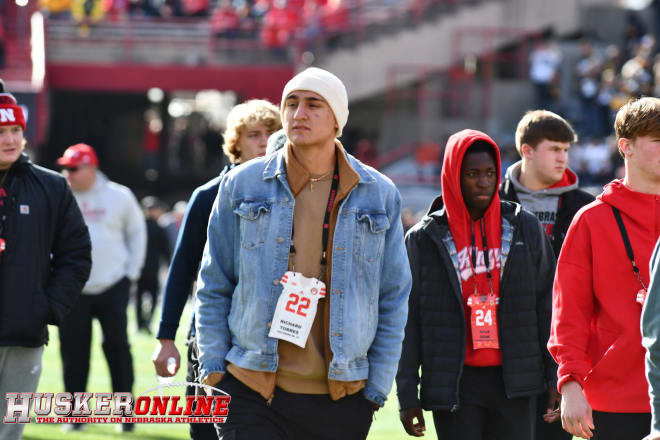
(526, 151)
(625, 146)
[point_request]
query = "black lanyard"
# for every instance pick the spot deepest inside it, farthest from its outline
(326, 223)
(626, 243)
(474, 252)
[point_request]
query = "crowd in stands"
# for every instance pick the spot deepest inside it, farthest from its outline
(274, 22)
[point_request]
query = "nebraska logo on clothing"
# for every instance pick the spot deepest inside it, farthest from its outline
(7, 115)
(87, 407)
(465, 265)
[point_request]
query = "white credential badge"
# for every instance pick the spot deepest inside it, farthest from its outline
(296, 308)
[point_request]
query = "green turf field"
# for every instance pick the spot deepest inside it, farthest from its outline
(386, 425)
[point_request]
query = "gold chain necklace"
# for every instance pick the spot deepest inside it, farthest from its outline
(313, 180)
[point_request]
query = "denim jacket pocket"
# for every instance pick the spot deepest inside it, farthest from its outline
(370, 233)
(255, 217)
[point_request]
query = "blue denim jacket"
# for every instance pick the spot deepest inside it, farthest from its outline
(247, 253)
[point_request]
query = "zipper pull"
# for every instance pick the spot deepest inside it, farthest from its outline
(270, 399)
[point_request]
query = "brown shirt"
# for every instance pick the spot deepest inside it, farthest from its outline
(305, 370)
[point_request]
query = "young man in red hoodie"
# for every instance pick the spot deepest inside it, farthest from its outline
(600, 287)
(479, 309)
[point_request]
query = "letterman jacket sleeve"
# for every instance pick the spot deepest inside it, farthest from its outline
(651, 338)
(395, 284)
(216, 282)
(572, 305)
(407, 378)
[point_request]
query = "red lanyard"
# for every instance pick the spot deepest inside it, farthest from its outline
(473, 260)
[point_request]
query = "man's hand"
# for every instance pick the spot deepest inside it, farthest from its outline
(576, 416)
(553, 407)
(407, 417)
(165, 350)
(652, 436)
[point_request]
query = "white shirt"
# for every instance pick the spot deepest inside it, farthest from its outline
(118, 232)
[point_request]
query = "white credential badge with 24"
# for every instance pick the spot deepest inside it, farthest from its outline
(296, 308)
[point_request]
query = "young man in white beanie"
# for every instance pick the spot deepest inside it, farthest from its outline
(303, 287)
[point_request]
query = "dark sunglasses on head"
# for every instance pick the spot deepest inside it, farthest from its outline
(71, 169)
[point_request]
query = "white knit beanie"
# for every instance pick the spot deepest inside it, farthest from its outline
(325, 84)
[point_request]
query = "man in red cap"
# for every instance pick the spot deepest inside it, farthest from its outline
(118, 231)
(45, 259)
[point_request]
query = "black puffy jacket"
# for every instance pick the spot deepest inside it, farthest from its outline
(435, 333)
(48, 255)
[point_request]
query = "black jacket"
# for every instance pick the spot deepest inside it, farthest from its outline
(48, 255)
(569, 204)
(435, 333)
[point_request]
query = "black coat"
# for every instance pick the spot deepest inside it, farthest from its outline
(569, 204)
(48, 255)
(435, 334)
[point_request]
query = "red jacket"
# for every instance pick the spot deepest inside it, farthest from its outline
(595, 336)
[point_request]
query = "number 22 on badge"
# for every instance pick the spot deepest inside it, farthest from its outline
(296, 308)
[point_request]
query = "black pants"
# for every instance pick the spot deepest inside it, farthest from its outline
(621, 426)
(76, 337)
(198, 431)
(486, 413)
(292, 416)
(548, 431)
(146, 287)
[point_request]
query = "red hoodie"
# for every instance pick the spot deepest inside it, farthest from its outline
(595, 336)
(461, 226)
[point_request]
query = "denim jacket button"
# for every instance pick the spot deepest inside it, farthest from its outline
(269, 324)
(276, 282)
(336, 291)
(264, 365)
(280, 240)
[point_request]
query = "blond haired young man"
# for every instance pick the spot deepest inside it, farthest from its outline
(248, 127)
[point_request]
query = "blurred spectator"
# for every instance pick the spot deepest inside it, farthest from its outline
(279, 25)
(158, 253)
(225, 21)
(116, 10)
(596, 160)
(637, 72)
(335, 19)
(588, 76)
(365, 152)
(428, 156)
(58, 9)
(544, 63)
(87, 12)
(171, 221)
(118, 234)
(151, 141)
(633, 32)
(196, 8)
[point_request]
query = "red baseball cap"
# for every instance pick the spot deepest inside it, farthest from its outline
(78, 154)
